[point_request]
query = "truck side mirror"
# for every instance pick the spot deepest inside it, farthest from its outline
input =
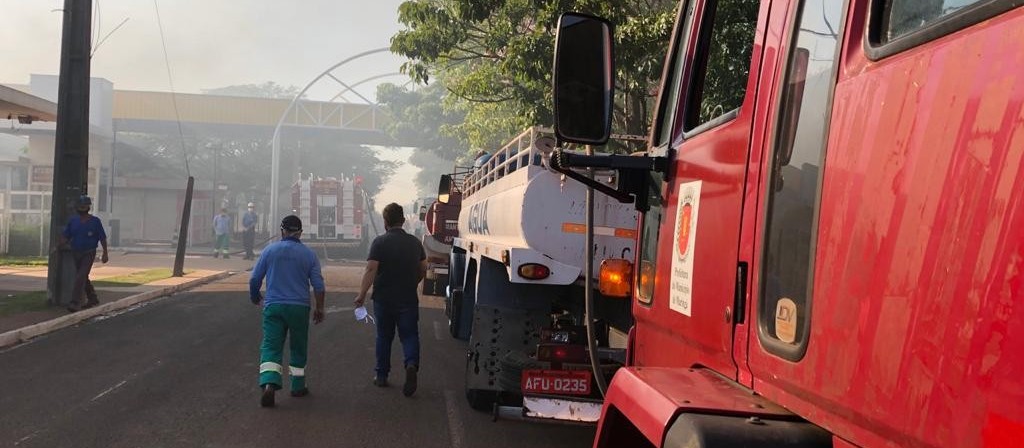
(444, 189)
(584, 83)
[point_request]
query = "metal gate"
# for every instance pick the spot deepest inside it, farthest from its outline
(25, 222)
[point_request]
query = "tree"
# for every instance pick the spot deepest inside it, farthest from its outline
(421, 117)
(243, 164)
(494, 57)
(242, 161)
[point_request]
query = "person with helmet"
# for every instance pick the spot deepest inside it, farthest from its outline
(290, 269)
(81, 235)
(249, 232)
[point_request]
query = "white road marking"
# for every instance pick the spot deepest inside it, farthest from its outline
(337, 309)
(454, 423)
(437, 330)
(26, 438)
(122, 383)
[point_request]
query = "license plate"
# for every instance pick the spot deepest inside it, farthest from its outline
(562, 382)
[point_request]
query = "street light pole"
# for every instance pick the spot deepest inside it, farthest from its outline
(71, 149)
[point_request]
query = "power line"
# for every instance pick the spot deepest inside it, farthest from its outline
(96, 47)
(170, 80)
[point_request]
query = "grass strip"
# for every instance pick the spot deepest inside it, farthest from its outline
(23, 261)
(23, 302)
(134, 279)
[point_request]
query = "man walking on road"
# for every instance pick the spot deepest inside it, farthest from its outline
(249, 234)
(222, 230)
(395, 266)
(82, 233)
(290, 268)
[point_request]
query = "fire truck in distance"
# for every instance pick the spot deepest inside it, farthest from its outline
(517, 282)
(333, 213)
(830, 250)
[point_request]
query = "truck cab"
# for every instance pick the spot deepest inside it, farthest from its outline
(831, 255)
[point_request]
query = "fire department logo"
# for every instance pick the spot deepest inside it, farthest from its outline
(685, 220)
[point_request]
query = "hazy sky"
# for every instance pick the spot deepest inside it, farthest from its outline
(211, 43)
(215, 43)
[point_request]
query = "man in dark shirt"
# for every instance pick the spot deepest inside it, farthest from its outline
(395, 266)
(82, 234)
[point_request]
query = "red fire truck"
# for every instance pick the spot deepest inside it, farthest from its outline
(332, 209)
(441, 221)
(831, 249)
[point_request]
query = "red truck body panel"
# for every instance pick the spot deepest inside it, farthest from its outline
(916, 334)
(918, 323)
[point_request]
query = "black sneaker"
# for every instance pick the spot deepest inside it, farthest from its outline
(267, 400)
(74, 307)
(300, 393)
(91, 303)
(410, 381)
(380, 381)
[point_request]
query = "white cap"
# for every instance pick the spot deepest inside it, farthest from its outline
(251, 205)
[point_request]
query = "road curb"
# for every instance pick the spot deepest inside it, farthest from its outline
(24, 334)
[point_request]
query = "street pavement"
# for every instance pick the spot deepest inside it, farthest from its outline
(182, 372)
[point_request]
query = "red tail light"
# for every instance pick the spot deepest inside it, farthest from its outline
(534, 271)
(562, 353)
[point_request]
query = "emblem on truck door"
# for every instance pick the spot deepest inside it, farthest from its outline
(687, 209)
(785, 320)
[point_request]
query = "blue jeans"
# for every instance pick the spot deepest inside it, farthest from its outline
(406, 319)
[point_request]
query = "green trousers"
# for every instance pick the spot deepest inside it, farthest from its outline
(222, 244)
(280, 321)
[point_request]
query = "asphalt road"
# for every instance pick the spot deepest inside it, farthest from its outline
(182, 371)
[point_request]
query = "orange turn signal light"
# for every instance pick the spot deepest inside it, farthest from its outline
(534, 271)
(616, 278)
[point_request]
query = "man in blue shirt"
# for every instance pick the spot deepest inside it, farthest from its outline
(222, 230)
(82, 234)
(290, 268)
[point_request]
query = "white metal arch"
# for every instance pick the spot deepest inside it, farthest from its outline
(275, 159)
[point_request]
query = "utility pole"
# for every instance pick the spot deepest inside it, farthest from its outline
(71, 152)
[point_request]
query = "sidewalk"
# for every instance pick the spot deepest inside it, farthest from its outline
(22, 280)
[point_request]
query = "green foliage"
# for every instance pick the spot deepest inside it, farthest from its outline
(243, 164)
(729, 57)
(494, 57)
(23, 261)
(421, 119)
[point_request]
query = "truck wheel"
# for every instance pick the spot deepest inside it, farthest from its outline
(482, 400)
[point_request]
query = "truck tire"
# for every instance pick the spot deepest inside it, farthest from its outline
(482, 400)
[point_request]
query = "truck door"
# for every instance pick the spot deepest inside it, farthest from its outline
(705, 123)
